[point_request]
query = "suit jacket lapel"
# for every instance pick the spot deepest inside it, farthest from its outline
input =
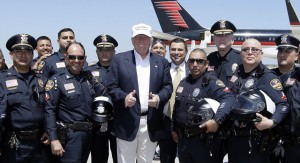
(131, 68)
(153, 73)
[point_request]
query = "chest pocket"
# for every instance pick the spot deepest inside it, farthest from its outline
(73, 99)
(14, 96)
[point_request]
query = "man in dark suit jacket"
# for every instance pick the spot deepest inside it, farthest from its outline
(140, 84)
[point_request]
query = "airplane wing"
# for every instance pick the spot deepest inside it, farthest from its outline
(164, 36)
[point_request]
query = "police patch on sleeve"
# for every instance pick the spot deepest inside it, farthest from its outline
(49, 85)
(41, 83)
(220, 83)
(276, 84)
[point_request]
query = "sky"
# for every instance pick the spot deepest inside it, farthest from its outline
(90, 18)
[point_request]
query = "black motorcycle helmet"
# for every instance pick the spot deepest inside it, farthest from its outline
(247, 104)
(102, 109)
(202, 111)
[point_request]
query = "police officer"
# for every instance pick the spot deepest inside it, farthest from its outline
(69, 97)
(287, 53)
(248, 140)
(291, 124)
(194, 146)
(224, 61)
(44, 49)
(55, 63)
(103, 133)
(22, 101)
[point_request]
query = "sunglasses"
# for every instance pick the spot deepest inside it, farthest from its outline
(74, 57)
(198, 61)
(252, 49)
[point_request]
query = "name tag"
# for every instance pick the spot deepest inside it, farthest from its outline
(60, 64)
(96, 73)
(13, 83)
(69, 86)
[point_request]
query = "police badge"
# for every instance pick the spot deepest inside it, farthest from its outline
(196, 92)
(249, 83)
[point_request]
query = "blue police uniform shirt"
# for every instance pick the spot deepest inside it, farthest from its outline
(261, 78)
(224, 67)
(69, 99)
(206, 86)
(22, 99)
(99, 72)
(55, 64)
(291, 82)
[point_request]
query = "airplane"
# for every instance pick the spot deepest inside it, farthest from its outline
(175, 21)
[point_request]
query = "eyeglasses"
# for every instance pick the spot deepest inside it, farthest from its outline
(286, 49)
(198, 61)
(74, 57)
(252, 49)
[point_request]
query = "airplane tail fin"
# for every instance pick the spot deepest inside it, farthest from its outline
(173, 17)
(294, 20)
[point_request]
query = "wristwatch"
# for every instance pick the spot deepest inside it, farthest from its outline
(218, 120)
(275, 123)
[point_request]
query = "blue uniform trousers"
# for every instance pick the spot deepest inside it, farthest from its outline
(77, 148)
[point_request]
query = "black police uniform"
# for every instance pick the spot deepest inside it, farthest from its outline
(68, 107)
(247, 144)
(102, 134)
(54, 64)
(22, 112)
(224, 67)
(290, 126)
(193, 147)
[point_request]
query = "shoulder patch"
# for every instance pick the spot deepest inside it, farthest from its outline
(220, 83)
(49, 85)
(276, 84)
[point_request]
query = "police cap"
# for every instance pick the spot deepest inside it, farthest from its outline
(287, 41)
(21, 42)
(104, 41)
(222, 27)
